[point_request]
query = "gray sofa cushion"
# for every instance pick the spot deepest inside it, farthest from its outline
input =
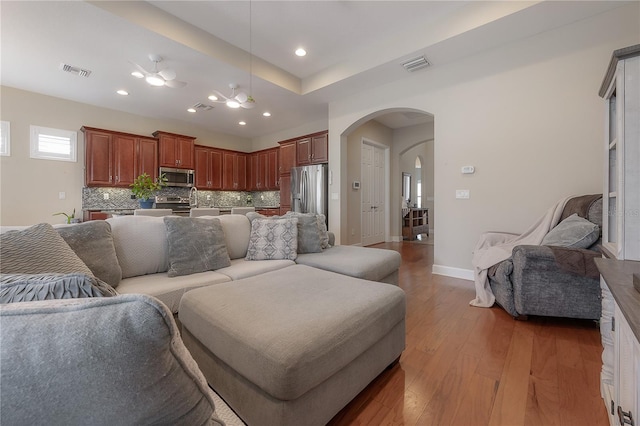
(195, 245)
(36, 250)
(30, 287)
(574, 231)
(287, 331)
(310, 238)
(273, 239)
(93, 243)
(100, 361)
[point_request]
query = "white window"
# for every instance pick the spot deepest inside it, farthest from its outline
(5, 138)
(53, 144)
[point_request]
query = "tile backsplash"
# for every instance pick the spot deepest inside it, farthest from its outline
(104, 198)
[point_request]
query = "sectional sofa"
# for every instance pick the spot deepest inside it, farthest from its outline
(339, 328)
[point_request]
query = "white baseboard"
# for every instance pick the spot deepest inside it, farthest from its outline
(465, 274)
(396, 239)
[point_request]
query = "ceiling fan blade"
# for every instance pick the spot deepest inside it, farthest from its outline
(167, 74)
(248, 104)
(175, 84)
(139, 68)
(241, 97)
(221, 98)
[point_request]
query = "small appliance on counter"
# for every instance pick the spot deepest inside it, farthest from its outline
(179, 205)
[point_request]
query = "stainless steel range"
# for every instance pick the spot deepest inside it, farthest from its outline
(179, 205)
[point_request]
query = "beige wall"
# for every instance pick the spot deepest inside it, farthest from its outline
(271, 140)
(29, 188)
(527, 115)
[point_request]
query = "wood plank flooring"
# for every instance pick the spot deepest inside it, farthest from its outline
(475, 366)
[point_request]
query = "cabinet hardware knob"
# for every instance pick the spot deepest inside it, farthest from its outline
(625, 417)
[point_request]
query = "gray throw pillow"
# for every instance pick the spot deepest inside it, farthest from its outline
(30, 287)
(195, 245)
(574, 231)
(309, 237)
(273, 239)
(37, 250)
(93, 243)
(100, 361)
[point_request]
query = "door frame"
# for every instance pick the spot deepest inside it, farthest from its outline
(387, 181)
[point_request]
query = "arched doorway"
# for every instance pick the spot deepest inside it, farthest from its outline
(396, 131)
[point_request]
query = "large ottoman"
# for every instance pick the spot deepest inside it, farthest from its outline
(293, 346)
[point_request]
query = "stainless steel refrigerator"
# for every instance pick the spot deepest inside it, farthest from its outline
(310, 189)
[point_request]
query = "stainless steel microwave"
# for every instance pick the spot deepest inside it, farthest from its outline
(178, 177)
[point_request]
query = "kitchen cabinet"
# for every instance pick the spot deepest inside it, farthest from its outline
(263, 173)
(268, 211)
(234, 175)
(285, 193)
(208, 168)
(175, 150)
(147, 153)
(287, 157)
(94, 215)
(312, 149)
(112, 158)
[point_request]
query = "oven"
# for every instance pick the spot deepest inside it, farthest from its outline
(179, 205)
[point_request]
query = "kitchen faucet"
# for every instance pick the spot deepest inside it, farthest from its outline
(193, 191)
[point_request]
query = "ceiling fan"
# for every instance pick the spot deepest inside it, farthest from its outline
(164, 77)
(236, 100)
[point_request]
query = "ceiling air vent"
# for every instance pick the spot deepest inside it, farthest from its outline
(203, 107)
(75, 70)
(415, 64)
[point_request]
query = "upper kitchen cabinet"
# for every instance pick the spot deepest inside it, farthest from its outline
(147, 153)
(263, 173)
(287, 157)
(234, 171)
(175, 150)
(208, 168)
(312, 149)
(112, 158)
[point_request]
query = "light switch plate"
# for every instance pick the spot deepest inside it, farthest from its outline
(462, 194)
(468, 170)
(105, 196)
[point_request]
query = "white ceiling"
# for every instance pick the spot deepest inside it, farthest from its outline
(352, 46)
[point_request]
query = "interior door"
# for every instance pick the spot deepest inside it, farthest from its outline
(372, 190)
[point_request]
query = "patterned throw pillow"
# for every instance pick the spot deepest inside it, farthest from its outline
(38, 250)
(195, 245)
(273, 239)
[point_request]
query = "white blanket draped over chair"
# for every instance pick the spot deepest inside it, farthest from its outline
(494, 247)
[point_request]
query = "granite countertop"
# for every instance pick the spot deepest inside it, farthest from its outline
(618, 275)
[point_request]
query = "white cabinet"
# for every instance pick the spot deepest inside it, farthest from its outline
(621, 198)
(626, 372)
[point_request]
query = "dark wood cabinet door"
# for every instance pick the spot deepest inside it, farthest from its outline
(287, 157)
(303, 152)
(98, 159)
(228, 170)
(320, 149)
(167, 149)
(124, 160)
(184, 154)
(253, 177)
(285, 193)
(241, 171)
(202, 167)
(148, 157)
(216, 169)
(272, 172)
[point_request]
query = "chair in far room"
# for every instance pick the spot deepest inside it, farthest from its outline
(153, 212)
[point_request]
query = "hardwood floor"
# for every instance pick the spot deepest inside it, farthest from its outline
(474, 366)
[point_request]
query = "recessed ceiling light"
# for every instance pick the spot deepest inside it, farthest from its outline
(137, 74)
(213, 97)
(122, 92)
(242, 123)
(191, 110)
(266, 114)
(300, 51)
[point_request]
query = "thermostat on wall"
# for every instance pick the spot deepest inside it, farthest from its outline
(356, 184)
